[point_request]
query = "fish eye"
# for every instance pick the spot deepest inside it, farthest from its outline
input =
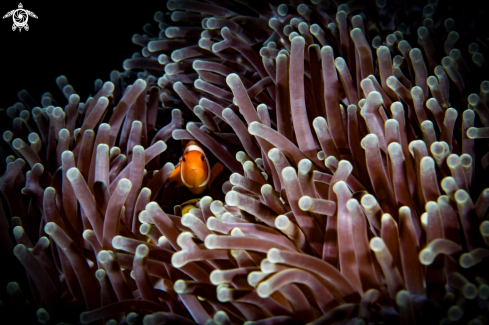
(183, 159)
(203, 157)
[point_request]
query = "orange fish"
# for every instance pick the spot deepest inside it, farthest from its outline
(194, 170)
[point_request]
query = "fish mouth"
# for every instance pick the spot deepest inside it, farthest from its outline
(192, 175)
(194, 171)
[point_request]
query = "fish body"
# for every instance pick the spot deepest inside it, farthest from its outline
(194, 170)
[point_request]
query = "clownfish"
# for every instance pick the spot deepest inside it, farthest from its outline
(194, 170)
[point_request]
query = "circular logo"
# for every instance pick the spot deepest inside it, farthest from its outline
(20, 18)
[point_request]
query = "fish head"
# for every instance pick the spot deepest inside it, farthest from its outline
(195, 168)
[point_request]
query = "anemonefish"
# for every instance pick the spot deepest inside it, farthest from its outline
(189, 205)
(194, 170)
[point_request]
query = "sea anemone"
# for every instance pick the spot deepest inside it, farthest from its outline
(354, 141)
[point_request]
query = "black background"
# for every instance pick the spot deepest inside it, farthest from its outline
(83, 40)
